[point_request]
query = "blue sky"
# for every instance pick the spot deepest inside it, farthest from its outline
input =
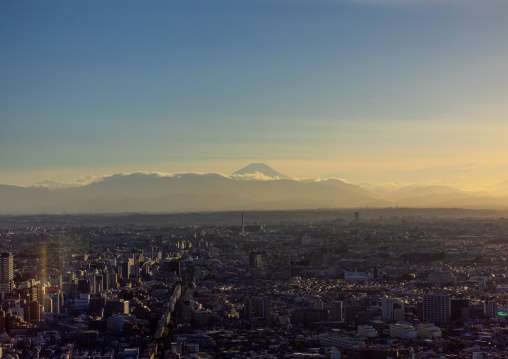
(371, 91)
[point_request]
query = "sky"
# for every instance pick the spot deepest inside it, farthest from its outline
(371, 91)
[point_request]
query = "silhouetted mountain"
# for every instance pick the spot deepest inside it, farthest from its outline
(183, 192)
(151, 192)
(260, 168)
(347, 186)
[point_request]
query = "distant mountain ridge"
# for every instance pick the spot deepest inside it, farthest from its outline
(254, 187)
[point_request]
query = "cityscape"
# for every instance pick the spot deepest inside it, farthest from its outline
(384, 283)
(279, 179)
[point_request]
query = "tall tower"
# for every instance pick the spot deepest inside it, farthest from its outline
(243, 227)
(6, 273)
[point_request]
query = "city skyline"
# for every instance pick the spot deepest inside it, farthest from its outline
(371, 92)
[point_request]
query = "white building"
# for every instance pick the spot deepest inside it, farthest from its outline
(367, 331)
(402, 330)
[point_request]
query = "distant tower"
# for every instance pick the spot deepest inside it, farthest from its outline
(243, 227)
(357, 216)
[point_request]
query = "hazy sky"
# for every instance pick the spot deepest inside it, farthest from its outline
(370, 91)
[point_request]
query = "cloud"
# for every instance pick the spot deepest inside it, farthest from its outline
(86, 180)
(76, 182)
(257, 176)
(160, 175)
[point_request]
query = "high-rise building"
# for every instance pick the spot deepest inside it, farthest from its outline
(247, 308)
(436, 308)
(123, 269)
(112, 280)
(399, 311)
(490, 309)
(258, 307)
(309, 316)
(335, 309)
(257, 259)
(97, 303)
(47, 303)
(57, 299)
(6, 273)
(387, 309)
(458, 305)
(101, 282)
(116, 306)
(35, 312)
(349, 313)
(172, 266)
(318, 305)
(84, 286)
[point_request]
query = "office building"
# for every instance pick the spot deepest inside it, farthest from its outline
(335, 309)
(436, 308)
(6, 273)
(387, 309)
(257, 259)
(490, 309)
(402, 330)
(172, 266)
(459, 306)
(257, 307)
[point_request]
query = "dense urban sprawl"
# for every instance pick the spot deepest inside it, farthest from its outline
(383, 287)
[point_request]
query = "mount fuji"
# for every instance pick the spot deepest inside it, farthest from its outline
(262, 169)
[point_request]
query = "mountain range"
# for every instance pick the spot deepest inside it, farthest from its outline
(255, 187)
